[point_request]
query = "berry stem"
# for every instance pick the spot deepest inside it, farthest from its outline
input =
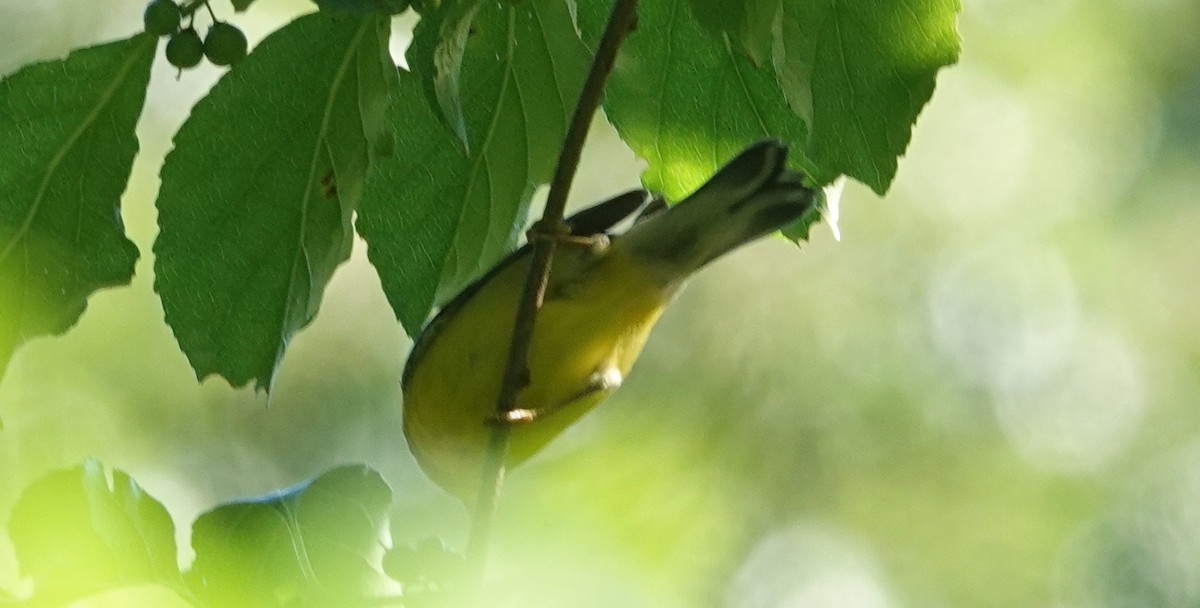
(189, 8)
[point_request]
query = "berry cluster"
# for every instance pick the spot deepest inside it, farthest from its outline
(224, 44)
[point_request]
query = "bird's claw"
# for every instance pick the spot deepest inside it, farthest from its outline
(561, 233)
(512, 417)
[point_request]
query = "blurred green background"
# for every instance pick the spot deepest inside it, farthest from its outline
(987, 394)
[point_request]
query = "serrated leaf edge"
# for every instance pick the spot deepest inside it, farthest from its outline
(318, 150)
(479, 165)
(67, 146)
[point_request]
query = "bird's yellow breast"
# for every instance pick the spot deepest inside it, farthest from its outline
(598, 311)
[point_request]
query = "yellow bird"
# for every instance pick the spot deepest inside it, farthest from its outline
(604, 296)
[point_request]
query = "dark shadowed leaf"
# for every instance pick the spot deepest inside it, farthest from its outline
(256, 197)
(434, 218)
(90, 529)
(66, 147)
(383, 7)
(439, 65)
(322, 539)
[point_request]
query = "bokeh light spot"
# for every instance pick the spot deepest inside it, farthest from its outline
(808, 566)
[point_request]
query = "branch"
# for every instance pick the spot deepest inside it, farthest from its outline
(516, 373)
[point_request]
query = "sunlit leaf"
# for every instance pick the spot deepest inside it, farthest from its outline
(859, 72)
(256, 197)
(66, 147)
(87, 530)
(322, 539)
(686, 101)
(855, 75)
(434, 218)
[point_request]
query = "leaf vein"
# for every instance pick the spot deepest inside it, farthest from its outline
(68, 145)
(301, 252)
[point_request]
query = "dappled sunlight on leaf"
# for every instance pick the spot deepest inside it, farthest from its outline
(867, 69)
(685, 103)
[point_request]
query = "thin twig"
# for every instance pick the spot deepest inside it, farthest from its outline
(516, 372)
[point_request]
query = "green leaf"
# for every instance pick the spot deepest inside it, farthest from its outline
(382, 7)
(859, 72)
(321, 540)
(241, 5)
(87, 530)
(256, 197)
(434, 218)
(748, 23)
(855, 73)
(439, 65)
(686, 102)
(66, 147)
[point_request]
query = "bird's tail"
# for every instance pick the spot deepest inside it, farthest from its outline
(751, 196)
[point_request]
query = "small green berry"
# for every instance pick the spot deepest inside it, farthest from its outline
(224, 44)
(185, 49)
(162, 17)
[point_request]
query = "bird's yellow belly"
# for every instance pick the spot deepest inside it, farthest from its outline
(586, 331)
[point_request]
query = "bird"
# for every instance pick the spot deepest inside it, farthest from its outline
(604, 295)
